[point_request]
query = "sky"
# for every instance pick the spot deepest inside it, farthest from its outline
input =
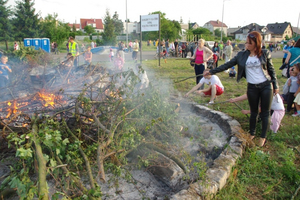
(236, 12)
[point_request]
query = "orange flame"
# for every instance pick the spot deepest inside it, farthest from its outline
(48, 98)
(13, 108)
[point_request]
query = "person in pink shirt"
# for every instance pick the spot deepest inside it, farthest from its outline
(119, 62)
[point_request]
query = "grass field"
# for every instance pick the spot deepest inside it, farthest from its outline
(271, 172)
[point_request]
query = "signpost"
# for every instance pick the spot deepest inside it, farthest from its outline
(150, 23)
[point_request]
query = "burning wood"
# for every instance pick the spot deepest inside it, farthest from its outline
(12, 108)
(48, 99)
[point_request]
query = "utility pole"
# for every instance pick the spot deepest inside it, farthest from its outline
(126, 26)
(222, 20)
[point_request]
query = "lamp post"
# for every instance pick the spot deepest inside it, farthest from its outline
(222, 20)
(126, 26)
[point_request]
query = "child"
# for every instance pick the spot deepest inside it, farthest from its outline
(4, 69)
(297, 93)
(215, 87)
(119, 62)
(232, 72)
(88, 56)
(111, 55)
(69, 61)
(290, 87)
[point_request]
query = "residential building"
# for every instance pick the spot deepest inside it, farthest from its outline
(230, 31)
(213, 25)
(96, 23)
(77, 26)
(296, 30)
(242, 32)
(193, 25)
(133, 27)
(279, 31)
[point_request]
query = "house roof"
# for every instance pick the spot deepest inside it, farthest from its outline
(77, 26)
(296, 30)
(217, 24)
(278, 28)
(251, 27)
(85, 22)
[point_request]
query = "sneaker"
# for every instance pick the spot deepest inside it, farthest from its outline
(211, 102)
(296, 115)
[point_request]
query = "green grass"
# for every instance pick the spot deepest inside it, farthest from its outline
(268, 173)
(271, 172)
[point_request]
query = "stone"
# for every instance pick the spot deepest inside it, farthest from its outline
(171, 174)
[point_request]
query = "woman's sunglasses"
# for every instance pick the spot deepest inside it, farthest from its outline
(252, 36)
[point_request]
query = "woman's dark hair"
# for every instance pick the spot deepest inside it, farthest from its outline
(297, 44)
(215, 44)
(255, 37)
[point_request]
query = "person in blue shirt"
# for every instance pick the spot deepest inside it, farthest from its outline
(286, 48)
(293, 56)
(4, 69)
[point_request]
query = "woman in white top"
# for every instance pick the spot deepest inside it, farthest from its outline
(255, 64)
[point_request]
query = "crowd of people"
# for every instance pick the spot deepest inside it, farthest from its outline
(255, 64)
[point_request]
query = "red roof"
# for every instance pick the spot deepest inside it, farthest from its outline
(77, 26)
(85, 22)
(217, 23)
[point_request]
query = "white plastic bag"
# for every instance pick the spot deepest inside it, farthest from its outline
(277, 103)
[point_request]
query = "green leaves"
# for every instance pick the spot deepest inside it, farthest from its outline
(24, 153)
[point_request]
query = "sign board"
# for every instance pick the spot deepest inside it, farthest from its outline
(150, 22)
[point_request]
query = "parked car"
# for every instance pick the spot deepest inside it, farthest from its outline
(210, 44)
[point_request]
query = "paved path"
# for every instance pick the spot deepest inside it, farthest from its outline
(147, 55)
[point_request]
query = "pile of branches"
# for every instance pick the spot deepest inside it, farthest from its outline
(100, 129)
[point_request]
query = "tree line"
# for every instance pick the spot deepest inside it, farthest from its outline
(23, 21)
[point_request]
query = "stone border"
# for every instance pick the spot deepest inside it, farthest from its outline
(219, 172)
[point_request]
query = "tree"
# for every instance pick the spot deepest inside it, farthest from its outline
(218, 33)
(54, 29)
(109, 36)
(201, 31)
(118, 24)
(89, 29)
(26, 21)
(74, 28)
(5, 23)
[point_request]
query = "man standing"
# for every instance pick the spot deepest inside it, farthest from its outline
(183, 47)
(135, 48)
(92, 44)
(167, 47)
(121, 48)
(228, 52)
(74, 50)
(55, 46)
(176, 48)
(221, 45)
